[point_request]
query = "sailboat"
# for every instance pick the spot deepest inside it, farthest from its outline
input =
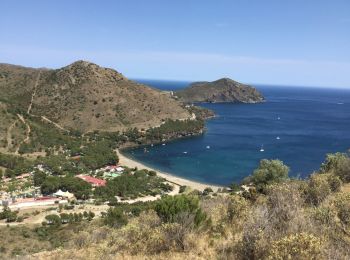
(262, 148)
(278, 138)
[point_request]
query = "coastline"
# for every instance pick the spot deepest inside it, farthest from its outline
(123, 160)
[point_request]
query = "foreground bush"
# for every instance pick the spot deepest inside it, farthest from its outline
(296, 246)
(317, 189)
(180, 209)
(115, 217)
(337, 164)
(343, 208)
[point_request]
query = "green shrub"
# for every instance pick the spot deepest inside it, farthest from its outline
(115, 217)
(338, 164)
(182, 189)
(269, 172)
(53, 220)
(343, 208)
(317, 189)
(207, 191)
(235, 187)
(334, 183)
(177, 209)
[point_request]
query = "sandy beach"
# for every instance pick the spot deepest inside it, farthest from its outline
(123, 160)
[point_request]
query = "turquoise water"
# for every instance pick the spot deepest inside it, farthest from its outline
(310, 123)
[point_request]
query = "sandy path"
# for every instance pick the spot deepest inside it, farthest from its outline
(34, 92)
(55, 124)
(26, 139)
(123, 160)
(9, 136)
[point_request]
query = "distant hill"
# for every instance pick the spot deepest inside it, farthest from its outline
(86, 97)
(222, 90)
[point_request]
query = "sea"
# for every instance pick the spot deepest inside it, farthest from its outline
(298, 125)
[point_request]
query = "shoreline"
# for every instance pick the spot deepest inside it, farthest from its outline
(124, 160)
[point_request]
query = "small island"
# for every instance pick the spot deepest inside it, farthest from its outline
(221, 90)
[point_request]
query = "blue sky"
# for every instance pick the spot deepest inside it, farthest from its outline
(268, 42)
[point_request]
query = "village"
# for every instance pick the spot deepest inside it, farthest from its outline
(20, 196)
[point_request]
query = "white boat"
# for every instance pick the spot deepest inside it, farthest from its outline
(185, 152)
(163, 144)
(208, 147)
(262, 149)
(278, 118)
(278, 138)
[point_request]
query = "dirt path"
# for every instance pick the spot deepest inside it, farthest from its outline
(34, 92)
(9, 136)
(55, 124)
(26, 139)
(21, 118)
(30, 108)
(39, 218)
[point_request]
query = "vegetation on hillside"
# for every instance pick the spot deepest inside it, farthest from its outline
(68, 96)
(133, 185)
(171, 129)
(287, 219)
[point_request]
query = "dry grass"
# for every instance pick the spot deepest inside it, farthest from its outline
(276, 226)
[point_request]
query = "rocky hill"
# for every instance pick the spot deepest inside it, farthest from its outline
(86, 97)
(222, 90)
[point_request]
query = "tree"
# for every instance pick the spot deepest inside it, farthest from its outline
(50, 185)
(207, 191)
(38, 178)
(7, 214)
(53, 220)
(269, 172)
(64, 218)
(90, 216)
(99, 154)
(11, 216)
(78, 187)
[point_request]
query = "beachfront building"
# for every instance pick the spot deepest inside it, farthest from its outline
(64, 194)
(113, 168)
(95, 182)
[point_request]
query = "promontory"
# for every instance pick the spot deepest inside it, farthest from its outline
(222, 90)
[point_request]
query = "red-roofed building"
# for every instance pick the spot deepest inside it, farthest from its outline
(93, 181)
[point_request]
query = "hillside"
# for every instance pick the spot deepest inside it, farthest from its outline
(86, 97)
(222, 90)
(275, 217)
